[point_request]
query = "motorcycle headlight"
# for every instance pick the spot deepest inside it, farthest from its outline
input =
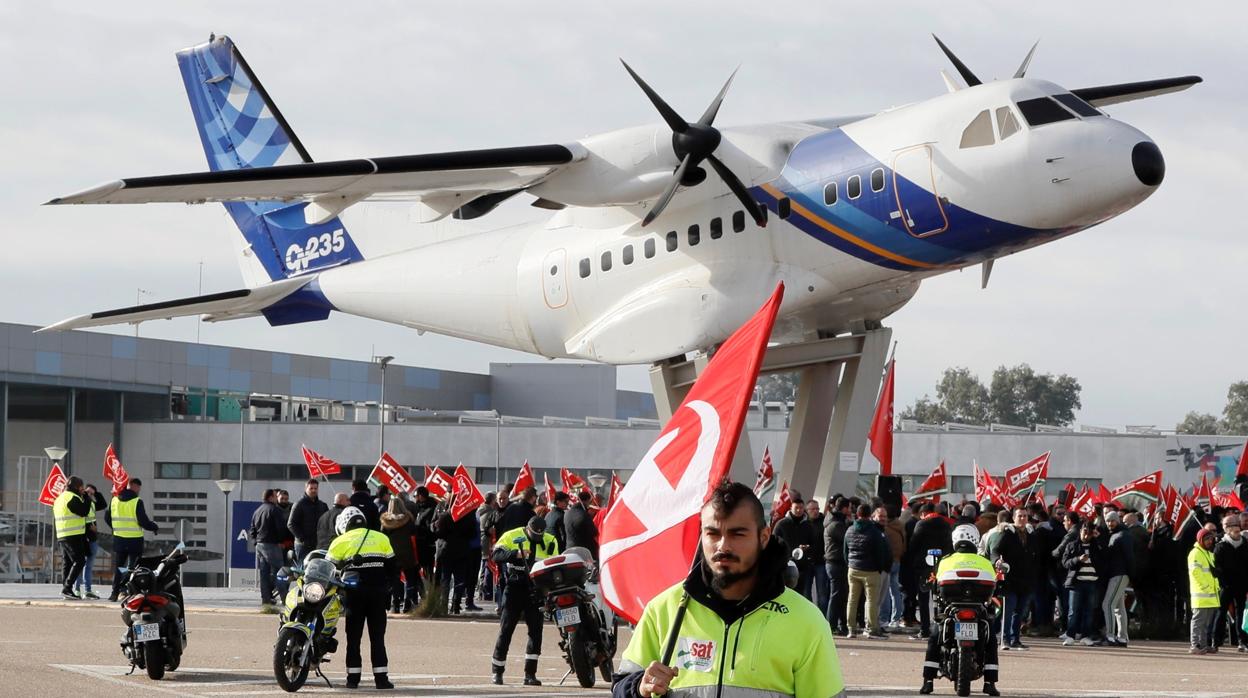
(313, 592)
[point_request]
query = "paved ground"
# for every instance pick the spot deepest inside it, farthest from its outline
(71, 649)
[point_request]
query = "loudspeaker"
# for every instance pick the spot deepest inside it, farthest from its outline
(888, 488)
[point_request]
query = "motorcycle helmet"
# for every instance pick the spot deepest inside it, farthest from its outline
(966, 538)
(350, 518)
(141, 581)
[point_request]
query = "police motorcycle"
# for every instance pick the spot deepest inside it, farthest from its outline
(964, 613)
(154, 612)
(587, 627)
(309, 619)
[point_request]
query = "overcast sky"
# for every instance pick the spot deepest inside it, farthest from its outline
(1145, 310)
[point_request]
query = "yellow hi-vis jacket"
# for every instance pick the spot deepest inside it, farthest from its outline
(125, 517)
(1204, 586)
(947, 570)
(780, 649)
(67, 522)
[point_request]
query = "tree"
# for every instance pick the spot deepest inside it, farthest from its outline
(778, 387)
(1235, 414)
(925, 411)
(1023, 397)
(1198, 423)
(960, 397)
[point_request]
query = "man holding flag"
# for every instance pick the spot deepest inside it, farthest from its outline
(128, 519)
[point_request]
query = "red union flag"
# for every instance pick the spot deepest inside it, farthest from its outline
(1204, 495)
(881, 434)
(1084, 503)
(395, 477)
(53, 486)
(524, 481)
(1027, 476)
(114, 471)
(985, 486)
(467, 496)
(780, 507)
(438, 483)
(572, 483)
(1148, 487)
(766, 474)
(550, 490)
(935, 485)
(1178, 512)
(318, 465)
(616, 488)
(650, 536)
(1241, 470)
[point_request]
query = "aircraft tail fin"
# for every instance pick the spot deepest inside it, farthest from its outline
(240, 128)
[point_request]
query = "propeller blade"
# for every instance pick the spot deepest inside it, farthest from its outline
(668, 193)
(709, 116)
(674, 120)
(964, 71)
(1022, 69)
(738, 188)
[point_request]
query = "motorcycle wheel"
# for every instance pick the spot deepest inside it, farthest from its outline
(966, 667)
(154, 660)
(287, 669)
(607, 668)
(578, 655)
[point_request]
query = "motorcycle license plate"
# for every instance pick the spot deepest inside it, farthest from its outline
(567, 616)
(966, 631)
(146, 632)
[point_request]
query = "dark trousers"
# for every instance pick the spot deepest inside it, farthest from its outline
(366, 606)
(1017, 604)
(1231, 619)
(924, 602)
(1082, 602)
(838, 579)
(73, 559)
(403, 587)
(931, 661)
(126, 553)
(518, 605)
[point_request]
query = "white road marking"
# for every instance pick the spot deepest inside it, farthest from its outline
(872, 692)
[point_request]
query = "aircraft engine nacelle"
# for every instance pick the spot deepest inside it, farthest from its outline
(613, 169)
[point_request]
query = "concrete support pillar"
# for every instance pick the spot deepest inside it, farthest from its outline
(851, 418)
(668, 391)
(119, 418)
(70, 407)
(808, 427)
(4, 433)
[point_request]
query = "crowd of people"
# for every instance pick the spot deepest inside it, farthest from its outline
(1093, 580)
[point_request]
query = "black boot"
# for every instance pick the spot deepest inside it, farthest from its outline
(531, 680)
(498, 678)
(926, 688)
(382, 681)
(990, 689)
(530, 673)
(353, 680)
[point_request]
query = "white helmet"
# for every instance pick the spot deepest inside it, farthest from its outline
(966, 533)
(351, 517)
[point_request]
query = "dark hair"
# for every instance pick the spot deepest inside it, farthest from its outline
(1072, 517)
(927, 508)
(382, 491)
(74, 483)
(561, 497)
(584, 496)
(796, 499)
(864, 511)
(422, 491)
(312, 481)
(92, 486)
(1089, 526)
(729, 495)
(529, 492)
(135, 481)
(358, 485)
(268, 494)
(1004, 516)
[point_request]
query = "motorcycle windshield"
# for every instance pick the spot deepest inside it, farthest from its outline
(320, 571)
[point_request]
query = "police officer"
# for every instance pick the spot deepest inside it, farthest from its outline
(963, 558)
(128, 519)
(70, 512)
(518, 549)
(367, 554)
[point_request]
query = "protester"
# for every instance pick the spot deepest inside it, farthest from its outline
(1230, 558)
(304, 517)
(397, 524)
(487, 518)
(814, 522)
(381, 500)
(325, 523)
(931, 532)
(1019, 549)
(127, 517)
(578, 525)
(69, 513)
(892, 603)
(518, 513)
(362, 500)
(867, 556)
(834, 529)
(792, 530)
(83, 587)
(1118, 562)
(423, 510)
(554, 519)
(1082, 559)
(266, 532)
(1205, 591)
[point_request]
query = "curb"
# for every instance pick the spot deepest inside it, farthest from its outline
(107, 605)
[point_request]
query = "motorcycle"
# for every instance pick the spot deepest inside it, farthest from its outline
(309, 619)
(587, 627)
(155, 614)
(963, 621)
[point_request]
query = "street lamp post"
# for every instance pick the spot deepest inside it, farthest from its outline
(226, 486)
(597, 480)
(382, 361)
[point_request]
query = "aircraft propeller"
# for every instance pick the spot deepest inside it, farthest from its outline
(695, 142)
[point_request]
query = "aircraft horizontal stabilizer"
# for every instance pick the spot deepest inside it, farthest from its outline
(1105, 95)
(227, 305)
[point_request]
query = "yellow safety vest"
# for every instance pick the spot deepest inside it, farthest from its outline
(67, 522)
(125, 518)
(372, 548)
(91, 514)
(1204, 586)
(950, 565)
(518, 539)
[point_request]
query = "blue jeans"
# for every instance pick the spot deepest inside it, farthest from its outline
(126, 553)
(1016, 606)
(894, 603)
(821, 587)
(1082, 600)
(269, 560)
(85, 578)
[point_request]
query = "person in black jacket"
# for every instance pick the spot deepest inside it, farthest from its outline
(517, 513)
(1230, 558)
(304, 516)
(868, 556)
(578, 525)
(793, 531)
(1082, 558)
(100, 507)
(554, 519)
(266, 531)
(931, 532)
(423, 509)
(362, 500)
(325, 533)
(1019, 547)
(1118, 563)
(814, 522)
(835, 525)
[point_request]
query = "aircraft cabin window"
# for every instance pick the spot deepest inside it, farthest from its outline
(978, 132)
(1006, 122)
(649, 248)
(854, 187)
(585, 268)
(671, 241)
(606, 260)
(1042, 110)
(1077, 105)
(627, 255)
(829, 194)
(717, 228)
(784, 208)
(695, 235)
(877, 179)
(738, 221)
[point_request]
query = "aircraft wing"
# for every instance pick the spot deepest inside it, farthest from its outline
(1105, 95)
(227, 305)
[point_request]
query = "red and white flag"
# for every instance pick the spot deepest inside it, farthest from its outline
(572, 483)
(114, 471)
(985, 486)
(935, 485)
(781, 505)
(1027, 476)
(438, 483)
(524, 481)
(467, 496)
(616, 488)
(1148, 487)
(1070, 491)
(1178, 512)
(395, 477)
(318, 465)
(650, 536)
(1204, 495)
(881, 434)
(550, 490)
(1230, 501)
(53, 486)
(766, 475)
(1084, 503)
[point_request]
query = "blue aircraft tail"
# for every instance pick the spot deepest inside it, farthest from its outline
(240, 128)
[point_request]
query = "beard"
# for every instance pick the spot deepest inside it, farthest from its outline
(721, 580)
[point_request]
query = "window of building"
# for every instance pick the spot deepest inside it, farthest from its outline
(829, 194)
(1006, 123)
(877, 179)
(649, 248)
(606, 260)
(853, 187)
(585, 268)
(738, 221)
(695, 234)
(784, 208)
(978, 132)
(627, 255)
(717, 228)
(672, 242)
(1077, 105)
(1042, 110)
(266, 471)
(171, 471)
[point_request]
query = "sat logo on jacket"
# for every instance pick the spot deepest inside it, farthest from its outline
(695, 655)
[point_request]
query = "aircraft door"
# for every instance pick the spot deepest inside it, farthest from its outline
(555, 278)
(917, 199)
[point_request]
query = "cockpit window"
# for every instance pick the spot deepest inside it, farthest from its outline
(1006, 122)
(1077, 105)
(1042, 110)
(978, 132)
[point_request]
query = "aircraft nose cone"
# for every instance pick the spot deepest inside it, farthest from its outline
(1149, 166)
